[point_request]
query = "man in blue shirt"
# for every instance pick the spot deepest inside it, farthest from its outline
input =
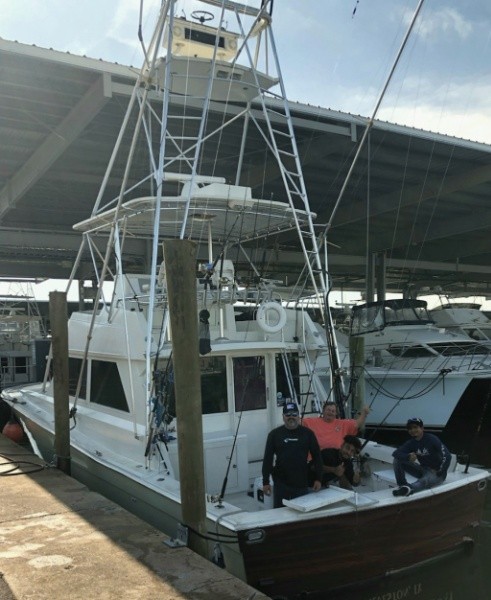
(424, 456)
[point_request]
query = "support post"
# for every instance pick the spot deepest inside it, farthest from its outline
(59, 333)
(180, 271)
(381, 260)
(369, 289)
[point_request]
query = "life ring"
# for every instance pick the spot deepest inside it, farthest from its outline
(271, 317)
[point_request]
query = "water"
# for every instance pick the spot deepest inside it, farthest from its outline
(463, 577)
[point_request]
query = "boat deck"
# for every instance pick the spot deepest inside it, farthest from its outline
(375, 488)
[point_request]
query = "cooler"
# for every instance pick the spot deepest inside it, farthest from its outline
(263, 500)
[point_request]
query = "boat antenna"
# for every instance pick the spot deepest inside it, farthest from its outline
(372, 118)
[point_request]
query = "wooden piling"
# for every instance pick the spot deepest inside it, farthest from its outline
(180, 270)
(58, 315)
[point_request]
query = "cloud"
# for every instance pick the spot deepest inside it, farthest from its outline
(445, 21)
(473, 124)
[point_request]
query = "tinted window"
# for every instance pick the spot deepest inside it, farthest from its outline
(20, 365)
(213, 384)
(282, 376)
(74, 366)
(410, 351)
(105, 385)
(459, 348)
(249, 383)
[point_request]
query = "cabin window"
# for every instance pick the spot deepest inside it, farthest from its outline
(249, 383)
(202, 37)
(9, 327)
(459, 348)
(475, 334)
(105, 385)
(4, 363)
(213, 384)
(410, 351)
(20, 365)
(282, 376)
(74, 367)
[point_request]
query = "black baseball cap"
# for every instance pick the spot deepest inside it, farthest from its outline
(414, 421)
(290, 408)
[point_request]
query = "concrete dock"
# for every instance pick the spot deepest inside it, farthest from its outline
(58, 539)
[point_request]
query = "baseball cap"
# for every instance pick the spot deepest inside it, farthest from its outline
(290, 408)
(414, 421)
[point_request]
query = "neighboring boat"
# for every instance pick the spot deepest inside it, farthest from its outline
(20, 327)
(259, 344)
(23, 345)
(413, 367)
(466, 318)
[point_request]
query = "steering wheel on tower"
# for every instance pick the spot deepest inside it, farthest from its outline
(202, 16)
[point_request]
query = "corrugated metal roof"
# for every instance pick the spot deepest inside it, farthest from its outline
(426, 194)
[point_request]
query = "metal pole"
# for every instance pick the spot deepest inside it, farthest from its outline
(381, 263)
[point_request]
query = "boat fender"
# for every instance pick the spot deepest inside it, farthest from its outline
(271, 317)
(13, 431)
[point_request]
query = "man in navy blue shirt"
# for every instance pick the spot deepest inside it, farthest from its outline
(424, 456)
(291, 444)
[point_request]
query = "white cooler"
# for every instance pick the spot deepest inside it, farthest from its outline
(259, 496)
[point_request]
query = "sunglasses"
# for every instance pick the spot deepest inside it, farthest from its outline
(290, 414)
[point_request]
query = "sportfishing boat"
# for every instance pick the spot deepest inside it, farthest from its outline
(258, 345)
(412, 366)
(464, 317)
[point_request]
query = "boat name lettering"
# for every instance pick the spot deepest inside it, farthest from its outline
(399, 594)
(411, 591)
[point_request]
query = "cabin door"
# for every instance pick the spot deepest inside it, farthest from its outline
(250, 397)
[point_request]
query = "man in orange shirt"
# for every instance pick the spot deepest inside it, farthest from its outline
(330, 431)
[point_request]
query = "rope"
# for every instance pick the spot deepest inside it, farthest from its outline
(15, 465)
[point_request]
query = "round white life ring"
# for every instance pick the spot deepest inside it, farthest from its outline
(271, 317)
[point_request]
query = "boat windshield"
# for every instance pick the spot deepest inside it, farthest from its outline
(459, 348)
(439, 348)
(478, 333)
(377, 315)
(406, 351)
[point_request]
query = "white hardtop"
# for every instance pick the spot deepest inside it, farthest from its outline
(213, 207)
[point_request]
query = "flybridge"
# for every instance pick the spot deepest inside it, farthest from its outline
(198, 40)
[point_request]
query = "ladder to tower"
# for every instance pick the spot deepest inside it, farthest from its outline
(281, 141)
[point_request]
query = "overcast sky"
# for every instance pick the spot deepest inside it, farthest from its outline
(330, 57)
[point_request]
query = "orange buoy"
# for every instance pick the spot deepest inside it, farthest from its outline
(13, 431)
